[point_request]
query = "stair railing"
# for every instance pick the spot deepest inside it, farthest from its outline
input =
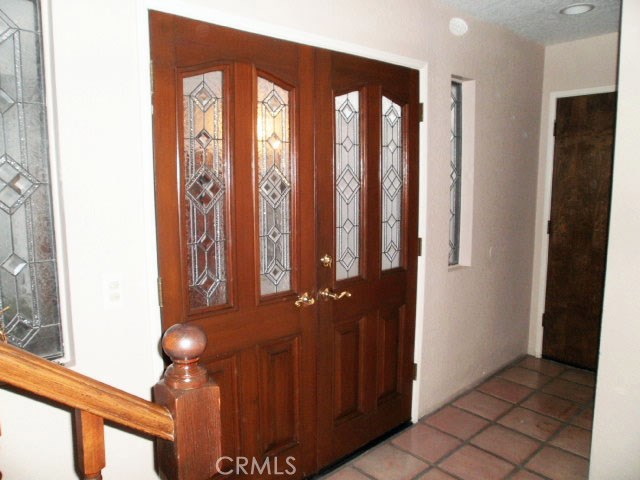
(184, 417)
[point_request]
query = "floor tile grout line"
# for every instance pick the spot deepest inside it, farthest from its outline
(467, 442)
(417, 477)
(524, 399)
(398, 447)
(560, 377)
(359, 470)
(438, 469)
(557, 433)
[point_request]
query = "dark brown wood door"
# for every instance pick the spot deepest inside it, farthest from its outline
(367, 179)
(248, 200)
(581, 193)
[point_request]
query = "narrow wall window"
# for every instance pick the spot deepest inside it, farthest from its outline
(28, 271)
(455, 188)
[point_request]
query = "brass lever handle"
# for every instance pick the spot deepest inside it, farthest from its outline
(304, 300)
(327, 294)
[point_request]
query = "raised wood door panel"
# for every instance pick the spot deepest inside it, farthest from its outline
(261, 345)
(365, 340)
(581, 192)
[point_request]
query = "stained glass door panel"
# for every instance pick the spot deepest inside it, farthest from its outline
(274, 186)
(391, 173)
(348, 185)
(205, 166)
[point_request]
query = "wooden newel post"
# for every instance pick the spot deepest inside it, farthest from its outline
(194, 403)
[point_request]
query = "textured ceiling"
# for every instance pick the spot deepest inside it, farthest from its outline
(540, 20)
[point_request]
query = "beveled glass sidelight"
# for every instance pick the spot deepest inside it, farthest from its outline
(348, 182)
(274, 186)
(391, 175)
(455, 174)
(29, 303)
(205, 169)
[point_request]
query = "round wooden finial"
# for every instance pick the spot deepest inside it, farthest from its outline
(184, 342)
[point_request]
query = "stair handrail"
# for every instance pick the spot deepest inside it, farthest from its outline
(185, 411)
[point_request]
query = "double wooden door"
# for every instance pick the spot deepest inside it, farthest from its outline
(286, 183)
(579, 228)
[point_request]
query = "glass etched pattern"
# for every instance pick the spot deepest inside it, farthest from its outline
(28, 270)
(274, 187)
(455, 171)
(392, 183)
(348, 180)
(205, 175)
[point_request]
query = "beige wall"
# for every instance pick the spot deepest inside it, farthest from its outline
(616, 430)
(572, 68)
(475, 318)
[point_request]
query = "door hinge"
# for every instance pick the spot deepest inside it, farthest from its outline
(415, 371)
(549, 227)
(544, 318)
(555, 128)
(151, 75)
(419, 246)
(421, 112)
(160, 302)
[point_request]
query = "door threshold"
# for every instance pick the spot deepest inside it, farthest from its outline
(344, 460)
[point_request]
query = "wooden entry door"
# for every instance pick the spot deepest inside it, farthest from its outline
(581, 192)
(244, 137)
(367, 180)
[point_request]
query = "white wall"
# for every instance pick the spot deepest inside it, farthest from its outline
(573, 68)
(616, 429)
(106, 179)
(476, 318)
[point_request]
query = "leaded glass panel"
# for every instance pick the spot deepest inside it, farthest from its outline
(28, 267)
(348, 180)
(274, 187)
(391, 174)
(205, 173)
(455, 170)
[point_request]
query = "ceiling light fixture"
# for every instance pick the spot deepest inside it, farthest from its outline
(577, 9)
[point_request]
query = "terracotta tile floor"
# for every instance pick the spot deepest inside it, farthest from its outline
(530, 421)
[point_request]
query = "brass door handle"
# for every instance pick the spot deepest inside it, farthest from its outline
(327, 294)
(304, 300)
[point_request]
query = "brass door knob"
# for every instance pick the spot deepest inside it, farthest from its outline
(326, 260)
(327, 294)
(304, 300)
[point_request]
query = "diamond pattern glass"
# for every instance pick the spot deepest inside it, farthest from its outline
(274, 187)
(455, 170)
(391, 174)
(205, 173)
(348, 180)
(28, 267)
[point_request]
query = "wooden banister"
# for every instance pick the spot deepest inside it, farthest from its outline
(185, 418)
(59, 384)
